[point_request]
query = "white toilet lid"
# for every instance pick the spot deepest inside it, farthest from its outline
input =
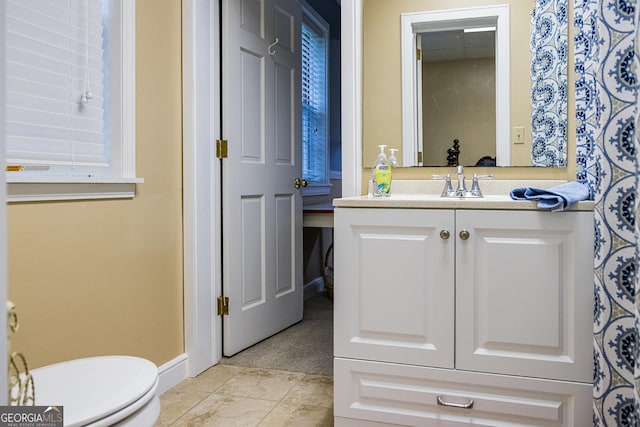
(94, 387)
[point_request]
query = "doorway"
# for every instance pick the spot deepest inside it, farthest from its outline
(202, 172)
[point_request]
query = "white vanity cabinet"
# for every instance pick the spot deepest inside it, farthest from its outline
(448, 317)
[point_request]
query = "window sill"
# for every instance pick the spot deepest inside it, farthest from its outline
(37, 189)
(316, 190)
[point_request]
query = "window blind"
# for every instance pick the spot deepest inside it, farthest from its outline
(314, 103)
(54, 54)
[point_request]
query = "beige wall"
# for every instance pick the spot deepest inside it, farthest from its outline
(105, 277)
(382, 84)
(458, 102)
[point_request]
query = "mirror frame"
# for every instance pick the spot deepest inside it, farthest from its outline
(450, 19)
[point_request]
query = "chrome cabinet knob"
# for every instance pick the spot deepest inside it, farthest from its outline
(444, 234)
(464, 234)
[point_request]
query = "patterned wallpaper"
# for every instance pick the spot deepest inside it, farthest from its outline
(606, 112)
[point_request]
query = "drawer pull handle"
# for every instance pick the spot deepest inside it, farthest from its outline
(444, 234)
(442, 402)
(464, 234)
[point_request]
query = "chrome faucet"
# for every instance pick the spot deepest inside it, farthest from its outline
(461, 191)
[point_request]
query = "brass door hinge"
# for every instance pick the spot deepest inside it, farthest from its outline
(419, 156)
(223, 306)
(418, 54)
(221, 148)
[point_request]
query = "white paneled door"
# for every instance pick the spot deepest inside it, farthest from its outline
(262, 210)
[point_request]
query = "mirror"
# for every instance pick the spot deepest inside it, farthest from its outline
(505, 126)
(455, 87)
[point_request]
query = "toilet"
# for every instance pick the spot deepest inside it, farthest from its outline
(101, 391)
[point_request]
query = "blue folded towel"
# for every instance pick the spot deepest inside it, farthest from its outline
(556, 198)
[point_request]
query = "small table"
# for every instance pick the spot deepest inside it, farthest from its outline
(318, 215)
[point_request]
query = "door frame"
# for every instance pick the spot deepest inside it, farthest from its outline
(351, 88)
(201, 178)
(201, 198)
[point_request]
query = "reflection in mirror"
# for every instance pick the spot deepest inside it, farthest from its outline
(549, 50)
(456, 87)
(456, 69)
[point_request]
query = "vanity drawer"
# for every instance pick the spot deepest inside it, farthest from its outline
(412, 395)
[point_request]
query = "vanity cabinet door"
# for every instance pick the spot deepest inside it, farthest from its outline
(394, 285)
(525, 293)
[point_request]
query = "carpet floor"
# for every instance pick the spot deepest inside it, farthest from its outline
(305, 347)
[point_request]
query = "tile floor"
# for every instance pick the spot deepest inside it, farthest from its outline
(226, 395)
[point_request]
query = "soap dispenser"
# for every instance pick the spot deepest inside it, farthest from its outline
(381, 175)
(393, 161)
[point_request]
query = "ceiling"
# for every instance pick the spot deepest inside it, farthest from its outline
(448, 45)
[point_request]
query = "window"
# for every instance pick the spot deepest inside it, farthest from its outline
(315, 102)
(70, 99)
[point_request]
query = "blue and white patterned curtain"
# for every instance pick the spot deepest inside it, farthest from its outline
(607, 159)
(587, 102)
(549, 51)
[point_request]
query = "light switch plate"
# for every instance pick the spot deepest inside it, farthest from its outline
(517, 135)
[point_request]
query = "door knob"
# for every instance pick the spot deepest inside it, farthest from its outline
(444, 234)
(464, 234)
(297, 183)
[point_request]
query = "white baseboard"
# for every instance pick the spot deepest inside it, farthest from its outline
(172, 373)
(314, 287)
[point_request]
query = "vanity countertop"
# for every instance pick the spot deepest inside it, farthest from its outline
(426, 195)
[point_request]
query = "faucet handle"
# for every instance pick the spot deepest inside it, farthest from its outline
(447, 191)
(447, 176)
(475, 186)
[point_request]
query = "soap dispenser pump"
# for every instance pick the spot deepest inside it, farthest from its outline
(393, 161)
(381, 175)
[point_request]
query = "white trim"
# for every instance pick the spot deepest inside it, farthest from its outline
(201, 172)
(172, 373)
(503, 90)
(411, 23)
(351, 60)
(128, 88)
(69, 180)
(47, 191)
(410, 100)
